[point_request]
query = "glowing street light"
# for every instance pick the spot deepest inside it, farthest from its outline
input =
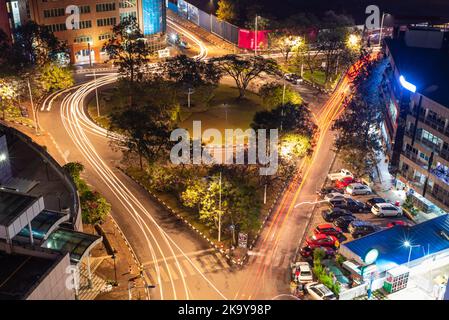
(407, 244)
(407, 85)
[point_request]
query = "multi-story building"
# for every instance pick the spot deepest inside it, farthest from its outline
(96, 21)
(4, 19)
(415, 90)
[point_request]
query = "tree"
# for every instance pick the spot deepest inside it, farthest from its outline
(53, 77)
(127, 48)
(285, 42)
(244, 69)
(295, 145)
(357, 135)
(8, 94)
(294, 118)
(36, 45)
(74, 169)
(94, 208)
(189, 72)
(146, 130)
(273, 95)
(226, 11)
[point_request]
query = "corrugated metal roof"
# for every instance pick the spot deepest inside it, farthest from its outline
(432, 236)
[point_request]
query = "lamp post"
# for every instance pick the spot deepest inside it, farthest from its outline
(255, 37)
(407, 244)
(381, 27)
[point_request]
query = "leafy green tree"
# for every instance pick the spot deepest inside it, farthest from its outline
(226, 11)
(36, 45)
(295, 145)
(146, 130)
(189, 72)
(244, 69)
(74, 169)
(294, 119)
(127, 49)
(53, 77)
(273, 95)
(94, 208)
(285, 42)
(8, 95)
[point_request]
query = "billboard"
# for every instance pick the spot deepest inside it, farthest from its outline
(154, 19)
(247, 39)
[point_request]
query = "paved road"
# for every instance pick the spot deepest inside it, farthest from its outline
(175, 258)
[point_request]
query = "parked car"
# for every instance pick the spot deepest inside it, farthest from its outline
(342, 183)
(386, 210)
(322, 192)
(334, 196)
(332, 214)
(328, 229)
(319, 291)
(344, 221)
(397, 223)
(350, 205)
(359, 228)
(293, 78)
(358, 189)
(301, 272)
(322, 240)
(371, 202)
(339, 175)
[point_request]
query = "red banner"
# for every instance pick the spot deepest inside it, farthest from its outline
(247, 39)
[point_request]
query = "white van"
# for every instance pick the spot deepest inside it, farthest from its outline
(386, 210)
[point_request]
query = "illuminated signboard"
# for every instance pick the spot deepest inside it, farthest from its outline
(153, 16)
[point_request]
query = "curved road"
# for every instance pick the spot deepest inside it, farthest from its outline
(175, 259)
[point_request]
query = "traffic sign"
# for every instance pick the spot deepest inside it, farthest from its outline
(164, 53)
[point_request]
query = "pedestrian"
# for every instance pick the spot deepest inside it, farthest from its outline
(293, 287)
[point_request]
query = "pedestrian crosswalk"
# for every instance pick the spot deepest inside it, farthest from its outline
(268, 259)
(175, 268)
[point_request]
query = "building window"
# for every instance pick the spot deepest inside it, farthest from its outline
(127, 14)
(106, 22)
(105, 36)
(431, 138)
(102, 7)
(57, 27)
(85, 24)
(84, 9)
(127, 3)
(82, 39)
(56, 12)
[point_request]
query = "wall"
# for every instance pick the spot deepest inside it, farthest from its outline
(54, 285)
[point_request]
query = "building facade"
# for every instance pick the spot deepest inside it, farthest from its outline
(415, 90)
(95, 22)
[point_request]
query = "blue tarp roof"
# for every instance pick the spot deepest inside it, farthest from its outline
(432, 236)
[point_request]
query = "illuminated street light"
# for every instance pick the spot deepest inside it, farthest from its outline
(407, 244)
(2, 157)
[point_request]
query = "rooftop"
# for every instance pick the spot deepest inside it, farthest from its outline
(429, 237)
(20, 273)
(428, 69)
(44, 224)
(12, 205)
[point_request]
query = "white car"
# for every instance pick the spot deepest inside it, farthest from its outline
(358, 189)
(334, 196)
(340, 175)
(302, 272)
(319, 291)
(386, 210)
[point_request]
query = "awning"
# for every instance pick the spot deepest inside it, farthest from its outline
(76, 243)
(44, 224)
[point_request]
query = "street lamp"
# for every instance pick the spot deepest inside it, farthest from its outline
(353, 41)
(89, 43)
(381, 26)
(407, 244)
(407, 85)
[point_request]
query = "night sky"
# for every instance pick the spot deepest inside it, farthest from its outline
(355, 8)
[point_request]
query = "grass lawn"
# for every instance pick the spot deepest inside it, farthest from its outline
(224, 111)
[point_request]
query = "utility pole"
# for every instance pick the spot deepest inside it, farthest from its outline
(36, 125)
(96, 93)
(219, 212)
(255, 39)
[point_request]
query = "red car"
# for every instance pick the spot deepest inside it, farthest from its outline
(344, 182)
(307, 251)
(328, 229)
(322, 240)
(397, 223)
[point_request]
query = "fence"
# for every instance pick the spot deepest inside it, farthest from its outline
(209, 22)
